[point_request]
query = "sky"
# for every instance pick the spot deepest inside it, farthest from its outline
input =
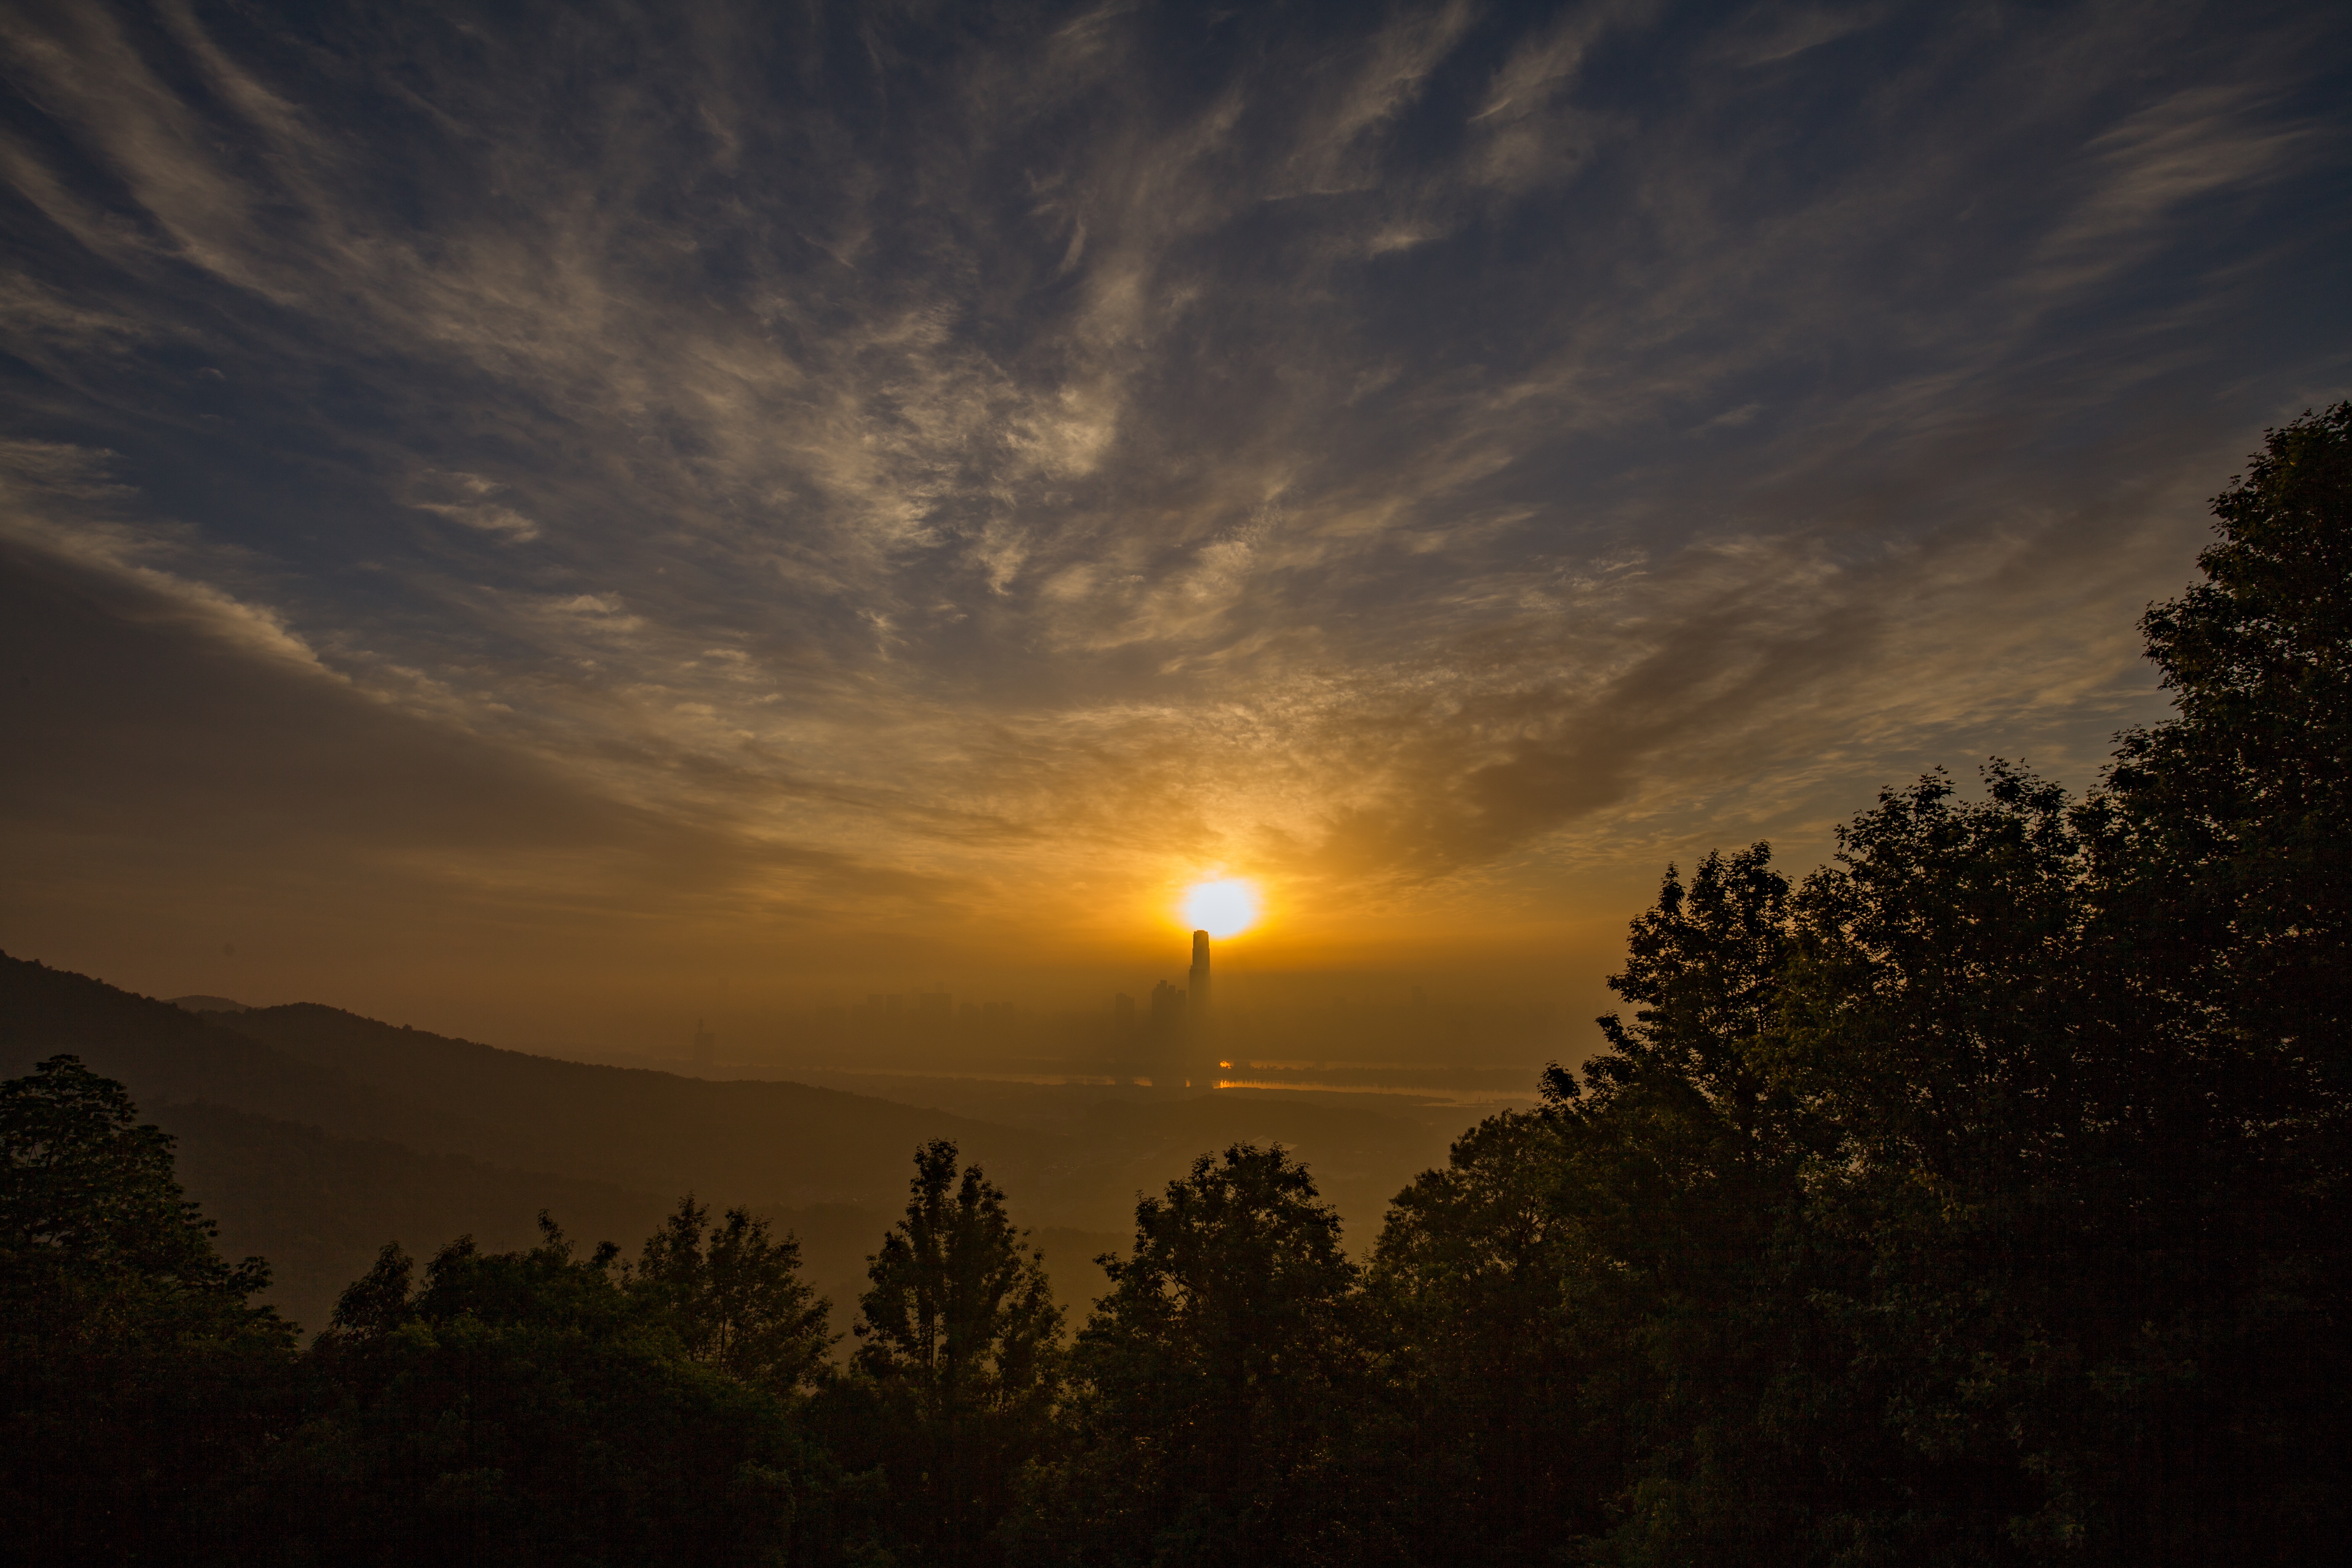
(544, 521)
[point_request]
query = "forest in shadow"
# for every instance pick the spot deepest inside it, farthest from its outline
(1978, 1198)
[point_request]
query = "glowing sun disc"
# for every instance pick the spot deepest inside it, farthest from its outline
(1221, 909)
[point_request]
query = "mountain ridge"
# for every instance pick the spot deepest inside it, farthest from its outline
(314, 1135)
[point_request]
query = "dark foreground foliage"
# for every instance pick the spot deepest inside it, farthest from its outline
(139, 1389)
(1982, 1199)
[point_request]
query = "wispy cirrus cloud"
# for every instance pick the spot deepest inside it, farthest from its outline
(1396, 450)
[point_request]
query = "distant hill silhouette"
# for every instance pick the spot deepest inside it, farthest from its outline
(318, 1207)
(165, 1053)
(314, 1135)
(331, 1134)
(209, 1004)
(767, 1142)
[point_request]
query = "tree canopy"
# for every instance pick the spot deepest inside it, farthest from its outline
(958, 1334)
(137, 1385)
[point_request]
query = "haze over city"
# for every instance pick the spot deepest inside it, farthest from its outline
(553, 526)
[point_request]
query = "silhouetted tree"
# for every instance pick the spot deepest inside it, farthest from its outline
(1702, 968)
(2235, 852)
(1671, 1214)
(960, 1336)
(1944, 1023)
(735, 1296)
(1209, 1385)
(2225, 895)
(524, 1407)
(135, 1379)
(1498, 1432)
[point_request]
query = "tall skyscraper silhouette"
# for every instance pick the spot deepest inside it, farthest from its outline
(1179, 1040)
(1201, 1037)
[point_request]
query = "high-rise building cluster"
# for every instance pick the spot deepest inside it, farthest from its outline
(1172, 1045)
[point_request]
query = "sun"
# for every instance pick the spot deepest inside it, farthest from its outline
(1223, 909)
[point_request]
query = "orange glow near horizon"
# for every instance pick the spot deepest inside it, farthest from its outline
(1224, 907)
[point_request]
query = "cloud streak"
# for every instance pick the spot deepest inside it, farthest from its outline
(993, 459)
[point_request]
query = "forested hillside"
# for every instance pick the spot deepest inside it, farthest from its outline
(1978, 1198)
